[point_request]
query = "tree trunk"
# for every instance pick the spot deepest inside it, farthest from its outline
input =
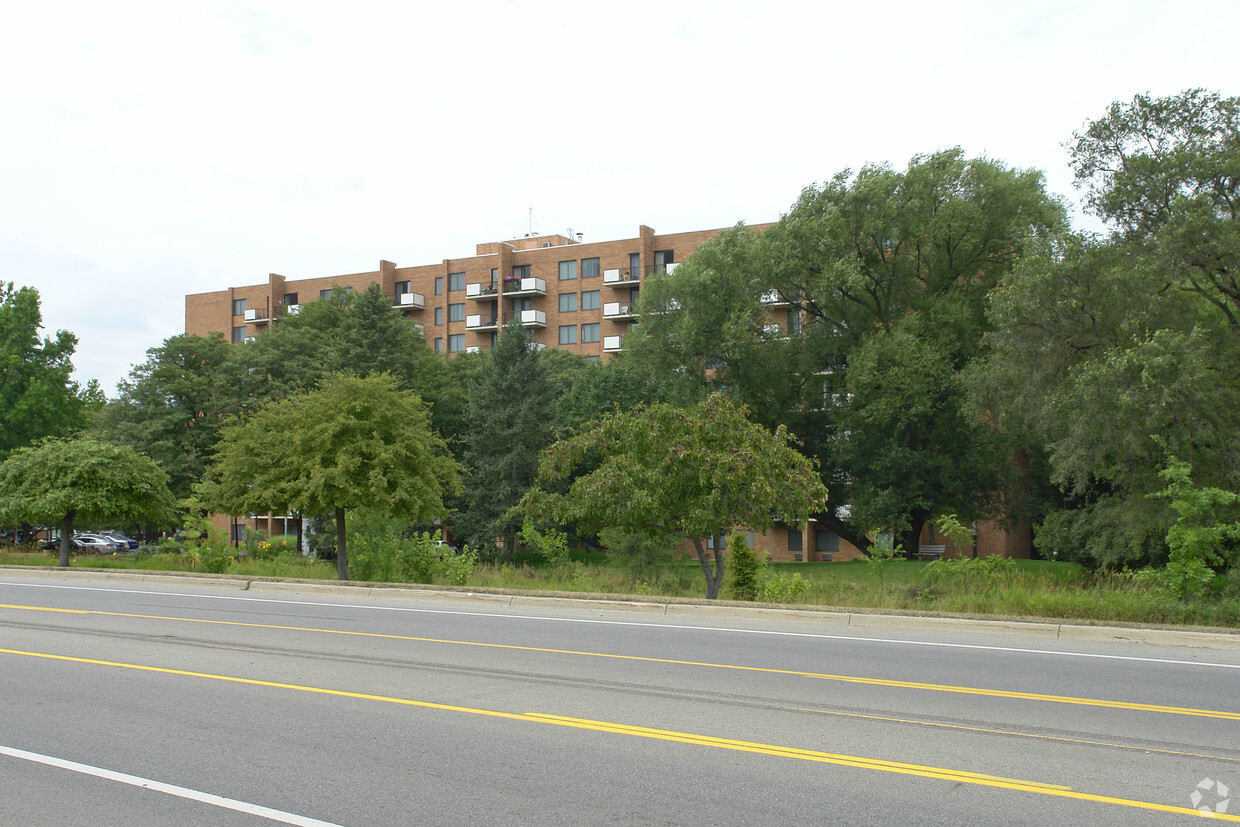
(911, 539)
(342, 552)
(66, 534)
(715, 578)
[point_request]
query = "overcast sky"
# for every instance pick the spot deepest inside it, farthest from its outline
(154, 149)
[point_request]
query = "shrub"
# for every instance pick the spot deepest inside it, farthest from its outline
(745, 571)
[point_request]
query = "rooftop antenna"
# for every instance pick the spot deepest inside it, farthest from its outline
(530, 234)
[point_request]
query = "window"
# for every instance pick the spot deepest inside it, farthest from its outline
(568, 302)
(592, 359)
(438, 285)
(290, 299)
(589, 268)
(456, 312)
(568, 270)
(238, 335)
(402, 287)
(826, 541)
(520, 303)
(635, 265)
(238, 307)
(794, 540)
(662, 258)
(333, 292)
(521, 271)
(794, 321)
(568, 334)
(438, 315)
(456, 281)
(589, 332)
(589, 300)
(438, 345)
(456, 343)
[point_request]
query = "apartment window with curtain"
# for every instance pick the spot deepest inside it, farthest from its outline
(568, 302)
(456, 343)
(794, 321)
(568, 270)
(438, 285)
(521, 271)
(589, 332)
(238, 307)
(456, 281)
(520, 303)
(438, 345)
(589, 268)
(438, 315)
(589, 300)
(635, 265)
(238, 335)
(568, 334)
(662, 258)
(290, 299)
(456, 312)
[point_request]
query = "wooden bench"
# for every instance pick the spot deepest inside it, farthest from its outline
(929, 552)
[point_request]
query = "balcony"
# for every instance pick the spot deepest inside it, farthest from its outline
(255, 317)
(619, 312)
(524, 287)
(481, 322)
(613, 344)
(478, 292)
(621, 277)
(772, 297)
(532, 318)
(410, 301)
(292, 309)
(473, 349)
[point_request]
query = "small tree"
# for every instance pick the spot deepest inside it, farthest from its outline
(698, 472)
(71, 481)
(353, 443)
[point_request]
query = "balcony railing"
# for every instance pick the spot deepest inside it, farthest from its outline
(616, 310)
(613, 344)
(481, 291)
(620, 277)
(255, 317)
(525, 287)
(481, 322)
(532, 318)
(292, 309)
(411, 300)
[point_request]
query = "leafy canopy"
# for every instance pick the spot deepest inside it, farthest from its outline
(696, 472)
(68, 482)
(354, 443)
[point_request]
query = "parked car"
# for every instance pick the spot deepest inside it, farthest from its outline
(97, 544)
(129, 542)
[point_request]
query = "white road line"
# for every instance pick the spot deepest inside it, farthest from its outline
(170, 789)
(677, 626)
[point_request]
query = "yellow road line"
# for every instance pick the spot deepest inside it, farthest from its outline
(928, 687)
(940, 773)
(1013, 733)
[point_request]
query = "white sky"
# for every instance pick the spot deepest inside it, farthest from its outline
(154, 149)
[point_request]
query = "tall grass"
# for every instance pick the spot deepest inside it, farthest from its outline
(1029, 589)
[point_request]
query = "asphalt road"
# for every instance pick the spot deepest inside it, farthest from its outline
(153, 701)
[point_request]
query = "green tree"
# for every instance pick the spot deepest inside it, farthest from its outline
(1108, 354)
(172, 406)
(38, 397)
(354, 443)
(696, 472)
(510, 419)
(69, 482)
(1164, 173)
(784, 319)
(359, 333)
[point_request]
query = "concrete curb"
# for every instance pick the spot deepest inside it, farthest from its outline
(1046, 630)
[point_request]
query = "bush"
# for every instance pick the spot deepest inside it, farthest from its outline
(745, 572)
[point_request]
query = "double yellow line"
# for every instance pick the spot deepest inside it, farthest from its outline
(955, 776)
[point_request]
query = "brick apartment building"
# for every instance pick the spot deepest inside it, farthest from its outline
(572, 295)
(577, 296)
